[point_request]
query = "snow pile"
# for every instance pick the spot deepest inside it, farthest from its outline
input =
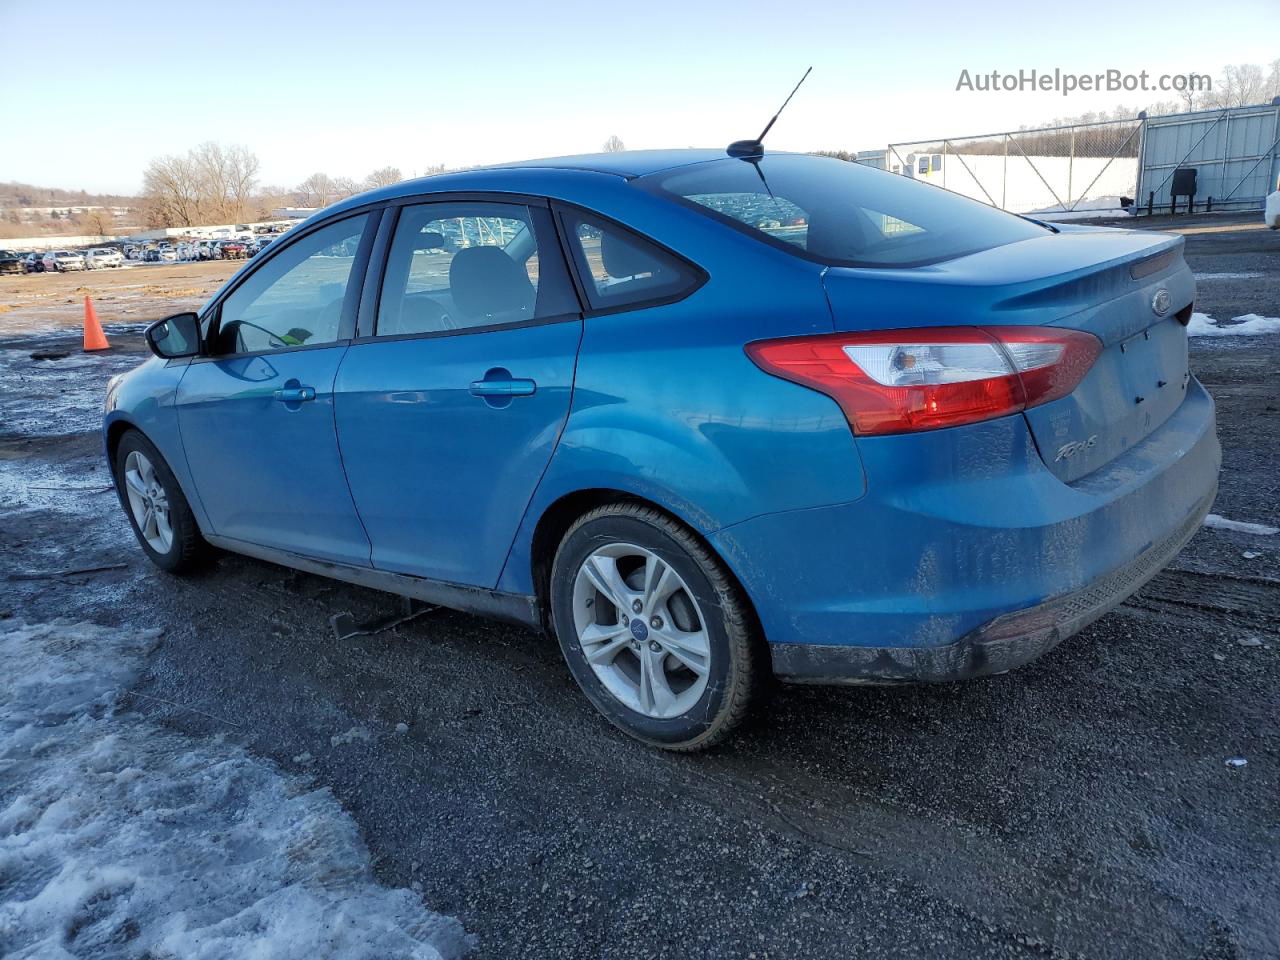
(121, 839)
(1250, 325)
(1239, 526)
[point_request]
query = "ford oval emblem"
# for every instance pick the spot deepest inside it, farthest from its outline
(1161, 302)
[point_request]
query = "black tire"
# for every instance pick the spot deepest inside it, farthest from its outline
(738, 662)
(188, 551)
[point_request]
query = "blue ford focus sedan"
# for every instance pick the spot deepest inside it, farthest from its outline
(709, 419)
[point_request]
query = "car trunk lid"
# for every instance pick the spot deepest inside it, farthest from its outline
(1130, 289)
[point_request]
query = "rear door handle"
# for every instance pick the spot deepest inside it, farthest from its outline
(295, 394)
(503, 388)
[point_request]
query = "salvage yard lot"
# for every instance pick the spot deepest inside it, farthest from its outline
(39, 302)
(1084, 805)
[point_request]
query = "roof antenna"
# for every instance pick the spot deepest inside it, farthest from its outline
(754, 148)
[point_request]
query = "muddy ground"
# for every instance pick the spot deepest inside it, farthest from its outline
(1082, 806)
(135, 294)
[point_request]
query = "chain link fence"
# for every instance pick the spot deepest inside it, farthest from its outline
(1084, 170)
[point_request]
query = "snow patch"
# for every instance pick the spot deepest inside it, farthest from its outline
(351, 736)
(1239, 526)
(1108, 206)
(1249, 325)
(41, 485)
(119, 838)
(56, 397)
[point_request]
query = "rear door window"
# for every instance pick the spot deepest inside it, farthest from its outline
(619, 268)
(456, 266)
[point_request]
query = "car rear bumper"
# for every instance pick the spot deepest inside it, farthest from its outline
(1010, 640)
(967, 556)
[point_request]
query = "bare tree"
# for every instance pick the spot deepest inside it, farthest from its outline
(269, 199)
(383, 177)
(1241, 84)
(345, 187)
(316, 191)
(100, 221)
(171, 192)
(210, 184)
(614, 144)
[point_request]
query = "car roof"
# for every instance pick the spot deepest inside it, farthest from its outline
(547, 176)
(625, 163)
(532, 174)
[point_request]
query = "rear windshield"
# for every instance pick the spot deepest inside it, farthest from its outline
(842, 213)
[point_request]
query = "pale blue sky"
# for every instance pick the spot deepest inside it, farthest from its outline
(348, 86)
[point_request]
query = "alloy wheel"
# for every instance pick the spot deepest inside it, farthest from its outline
(148, 502)
(641, 630)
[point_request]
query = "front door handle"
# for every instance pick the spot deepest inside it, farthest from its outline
(503, 388)
(295, 394)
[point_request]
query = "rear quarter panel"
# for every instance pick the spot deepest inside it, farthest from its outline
(668, 407)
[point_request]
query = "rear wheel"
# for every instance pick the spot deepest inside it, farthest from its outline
(158, 512)
(653, 629)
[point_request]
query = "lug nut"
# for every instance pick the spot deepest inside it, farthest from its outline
(656, 623)
(655, 646)
(637, 606)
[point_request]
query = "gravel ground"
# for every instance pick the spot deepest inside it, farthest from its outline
(1080, 807)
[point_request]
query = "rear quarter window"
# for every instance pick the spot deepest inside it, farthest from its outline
(620, 269)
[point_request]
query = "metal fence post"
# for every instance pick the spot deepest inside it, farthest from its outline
(1004, 176)
(1071, 164)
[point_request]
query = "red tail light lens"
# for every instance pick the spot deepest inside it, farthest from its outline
(895, 381)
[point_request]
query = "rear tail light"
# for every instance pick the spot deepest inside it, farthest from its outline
(895, 381)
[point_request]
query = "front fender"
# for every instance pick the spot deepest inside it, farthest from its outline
(144, 398)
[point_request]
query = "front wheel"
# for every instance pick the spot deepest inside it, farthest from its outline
(654, 630)
(158, 512)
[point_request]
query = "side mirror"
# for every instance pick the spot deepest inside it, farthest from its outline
(174, 337)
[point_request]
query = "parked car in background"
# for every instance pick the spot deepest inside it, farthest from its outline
(895, 441)
(258, 245)
(11, 262)
(166, 254)
(102, 257)
(33, 263)
(232, 250)
(62, 261)
(202, 250)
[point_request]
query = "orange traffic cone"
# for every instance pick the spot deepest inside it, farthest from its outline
(94, 338)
